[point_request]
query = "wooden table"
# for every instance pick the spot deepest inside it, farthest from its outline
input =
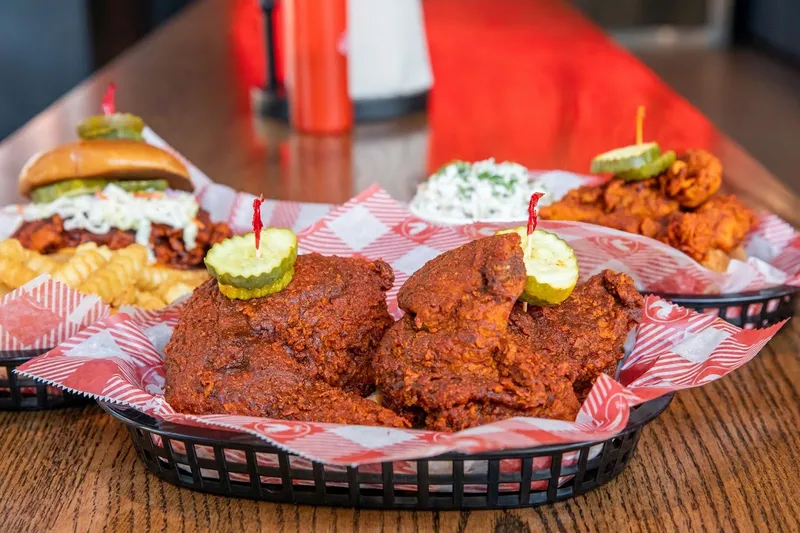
(539, 85)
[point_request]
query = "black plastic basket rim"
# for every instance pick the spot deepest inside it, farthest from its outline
(731, 298)
(20, 357)
(40, 396)
(640, 416)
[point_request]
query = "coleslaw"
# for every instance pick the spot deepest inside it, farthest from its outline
(484, 191)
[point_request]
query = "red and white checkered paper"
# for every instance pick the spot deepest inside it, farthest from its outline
(43, 314)
(119, 359)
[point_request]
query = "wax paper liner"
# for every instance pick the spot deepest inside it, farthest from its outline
(118, 359)
(42, 314)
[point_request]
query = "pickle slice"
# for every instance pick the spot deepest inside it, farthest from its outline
(625, 158)
(77, 187)
(650, 170)
(233, 262)
(130, 135)
(114, 126)
(141, 185)
(550, 264)
(236, 293)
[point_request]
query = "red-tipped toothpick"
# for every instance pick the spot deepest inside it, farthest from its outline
(640, 124)
(257, 224)
(533, 212)
(533, 219)
(109, 104)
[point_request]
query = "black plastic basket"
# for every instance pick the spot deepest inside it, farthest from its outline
(241, 465)
(751, 309)
(18, 393)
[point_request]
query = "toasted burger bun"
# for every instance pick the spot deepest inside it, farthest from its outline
(104, 159)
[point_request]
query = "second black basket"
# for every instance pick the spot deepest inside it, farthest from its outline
(747, 310)
(18, 393)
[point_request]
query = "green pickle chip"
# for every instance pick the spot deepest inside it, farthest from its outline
(550, 264)
(236, 293)
(114, 126)
(625, 158)
(78, 187)
(242, 274)
(650, 170)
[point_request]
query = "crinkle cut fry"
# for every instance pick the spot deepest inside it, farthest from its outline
(118, 275)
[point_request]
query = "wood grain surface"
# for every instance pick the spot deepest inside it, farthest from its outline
(722, 457)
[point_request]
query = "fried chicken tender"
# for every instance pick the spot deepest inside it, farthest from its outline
(635, 207)
(637, 198)
(692, 179)
(584, 204)
(465, 354)
(680, 207)
(730, 218)
(303, 353)
(719, 225)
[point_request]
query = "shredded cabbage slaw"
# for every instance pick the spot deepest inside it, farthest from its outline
(117, 208)
(462, 193)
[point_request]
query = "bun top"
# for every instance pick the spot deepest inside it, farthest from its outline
(111, 159)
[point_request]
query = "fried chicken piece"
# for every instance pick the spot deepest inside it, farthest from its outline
(48, 236)
(637, 198)
(280, 389)
(680, 208)
(477, 283)
(635, 207)
(303, 353)
(692, 179)
(719, 225)
(730, 218)
(44, 236)
(583, 204)
(587, 331)
(464, 354)
(457, 308)
(452, 380)
(169, 248)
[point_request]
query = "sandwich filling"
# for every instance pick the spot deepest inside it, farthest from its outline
(169, 223)
(114, 207)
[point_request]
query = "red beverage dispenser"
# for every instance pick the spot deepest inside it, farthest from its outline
(336, 62)
(316, 66)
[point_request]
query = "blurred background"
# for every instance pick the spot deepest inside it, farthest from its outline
(738, 61)
(49, 46)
